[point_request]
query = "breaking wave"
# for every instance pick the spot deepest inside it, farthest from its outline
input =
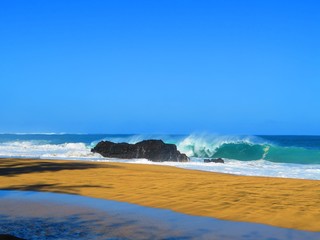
(243, 148)
(247, 149)
(41, 149)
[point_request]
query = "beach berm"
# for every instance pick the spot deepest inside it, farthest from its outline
(290, 203)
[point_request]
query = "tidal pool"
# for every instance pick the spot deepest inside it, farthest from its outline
(45, 216)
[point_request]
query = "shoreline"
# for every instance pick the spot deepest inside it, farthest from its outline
(281, 202)
(255, 168)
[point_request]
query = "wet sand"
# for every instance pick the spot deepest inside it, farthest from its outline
(289, 203)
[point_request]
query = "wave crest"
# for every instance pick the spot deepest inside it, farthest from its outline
(245, 148)
(209, 145)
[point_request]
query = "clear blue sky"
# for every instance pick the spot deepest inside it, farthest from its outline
(229, 67)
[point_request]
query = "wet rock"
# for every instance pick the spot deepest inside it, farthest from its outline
(154, 150)
(214, 160)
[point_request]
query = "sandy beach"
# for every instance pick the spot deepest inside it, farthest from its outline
(290, 203)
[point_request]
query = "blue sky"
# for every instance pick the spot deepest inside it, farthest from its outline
(229, 67)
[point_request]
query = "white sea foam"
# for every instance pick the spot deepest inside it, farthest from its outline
(245, 168)
(41, 149)
(204, 144)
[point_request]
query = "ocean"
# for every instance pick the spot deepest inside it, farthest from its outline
(275, 156)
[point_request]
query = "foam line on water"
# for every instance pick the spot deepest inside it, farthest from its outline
(252, 168)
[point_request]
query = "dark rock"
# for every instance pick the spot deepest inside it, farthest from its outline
(154, 150)
(9, 237)
(215, 160)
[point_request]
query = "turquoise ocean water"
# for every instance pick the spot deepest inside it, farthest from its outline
(280, 156)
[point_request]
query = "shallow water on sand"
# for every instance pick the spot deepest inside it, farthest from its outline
(39, 215)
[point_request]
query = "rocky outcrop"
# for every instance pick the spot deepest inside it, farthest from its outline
(214, 160)
(154, 150)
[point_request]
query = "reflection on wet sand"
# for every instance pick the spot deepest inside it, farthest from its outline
(35, 215)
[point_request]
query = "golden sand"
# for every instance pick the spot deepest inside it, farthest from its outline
(290, 203)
